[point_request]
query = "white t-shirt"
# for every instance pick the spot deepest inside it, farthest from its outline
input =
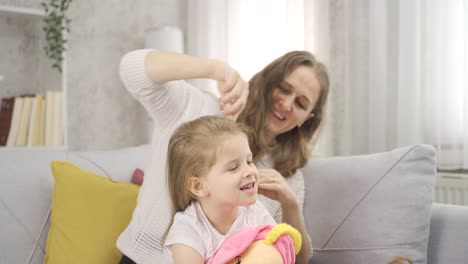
(192, 228)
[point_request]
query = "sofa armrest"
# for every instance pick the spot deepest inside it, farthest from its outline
(26, 185)
(448, 239)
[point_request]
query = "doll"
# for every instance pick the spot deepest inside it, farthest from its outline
(260, 244)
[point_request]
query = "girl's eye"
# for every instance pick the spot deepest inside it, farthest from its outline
(250, 162)
(233, 168)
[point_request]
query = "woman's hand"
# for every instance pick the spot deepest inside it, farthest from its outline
(273, 185)
(168, 66)
(232, 88)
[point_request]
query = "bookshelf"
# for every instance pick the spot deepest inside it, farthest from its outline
(21, 11)
(24, 68)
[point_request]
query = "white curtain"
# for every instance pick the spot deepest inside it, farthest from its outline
(248, 34)
(398, 68)
(402, 77)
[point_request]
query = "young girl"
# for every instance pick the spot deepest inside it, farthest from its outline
(213, 186)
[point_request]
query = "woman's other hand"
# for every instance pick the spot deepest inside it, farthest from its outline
(273, 185)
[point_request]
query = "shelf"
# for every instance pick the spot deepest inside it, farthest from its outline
(36, 148)
(21, 35)
(21, 10)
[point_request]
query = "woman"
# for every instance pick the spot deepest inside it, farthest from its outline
(283, 104)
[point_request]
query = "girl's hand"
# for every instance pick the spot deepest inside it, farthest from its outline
(233, 90)
(273, 185)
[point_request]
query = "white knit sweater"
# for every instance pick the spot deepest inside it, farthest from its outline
(169, 104)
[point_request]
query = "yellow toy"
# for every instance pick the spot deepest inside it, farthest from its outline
(260, 244)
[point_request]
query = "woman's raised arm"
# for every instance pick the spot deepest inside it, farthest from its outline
(168, 66)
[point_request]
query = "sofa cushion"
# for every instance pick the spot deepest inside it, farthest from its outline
(370, 208)
(89, 212)
(449, 234)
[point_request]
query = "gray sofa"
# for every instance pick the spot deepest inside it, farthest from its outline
(370, 208)
(359, 209)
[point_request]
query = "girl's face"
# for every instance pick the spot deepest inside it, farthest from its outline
(293, 101)
(232, 181)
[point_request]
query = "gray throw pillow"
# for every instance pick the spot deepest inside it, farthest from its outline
(370, 208)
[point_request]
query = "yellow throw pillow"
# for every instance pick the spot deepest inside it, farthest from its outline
(89, 212)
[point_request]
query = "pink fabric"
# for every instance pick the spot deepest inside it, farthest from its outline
(243, 238)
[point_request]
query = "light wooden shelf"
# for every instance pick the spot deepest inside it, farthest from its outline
(35, 13)
(35, 148)
(21, 10)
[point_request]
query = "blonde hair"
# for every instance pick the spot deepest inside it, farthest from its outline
(192, 152)
(281, 229)
(289, 150)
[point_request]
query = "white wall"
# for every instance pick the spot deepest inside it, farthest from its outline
(101, 113)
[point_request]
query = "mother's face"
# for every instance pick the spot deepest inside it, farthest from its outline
(293, 101)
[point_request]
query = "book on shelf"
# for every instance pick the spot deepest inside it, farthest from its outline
(15, 121)
(22, 137)
(49, 124)
(32, 120)
(54, 119)
(6, 113)
(34, 132)
(42, 122)
(49, 118)
(58, 119)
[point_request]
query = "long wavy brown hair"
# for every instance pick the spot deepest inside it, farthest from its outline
(290, 150)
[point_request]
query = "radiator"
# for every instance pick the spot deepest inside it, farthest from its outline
(451, 188)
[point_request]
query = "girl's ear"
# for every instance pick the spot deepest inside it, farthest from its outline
(196, 187)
